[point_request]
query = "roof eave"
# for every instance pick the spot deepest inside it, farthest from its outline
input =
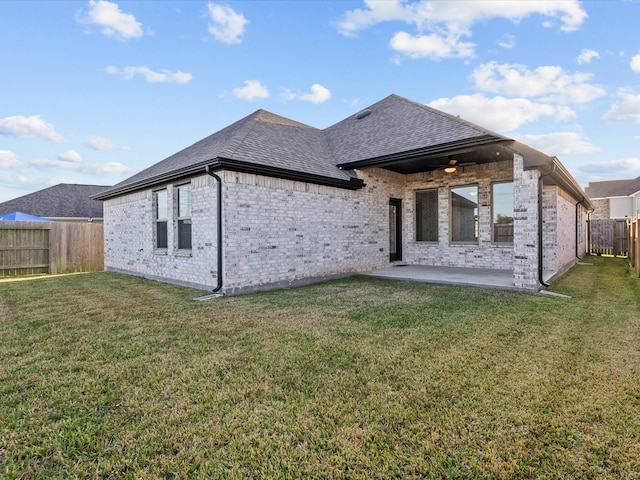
(152, 181)
(434, 150)
(351, 183)
(562, 176)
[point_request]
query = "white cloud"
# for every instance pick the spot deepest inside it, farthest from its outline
(499, 113)
(622, 168)
(113, 22)
(626, 110)
(319, 94)
(288, 95)
(228, 25)
(550, 83)
(8, 160)
(559, 143)
(70, 156)
(431, 46)
(163, 76)
(586, 55)
(448, 21)
(83, 167)
(508, 41)
(29, 127)
(635, 63)
(54, 164)
(252, 89)
(108, 168)
(101, 143)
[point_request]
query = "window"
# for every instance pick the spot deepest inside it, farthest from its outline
(184, 217)
(161, 210)
(503, 212)
(427, 216)
(464, 214)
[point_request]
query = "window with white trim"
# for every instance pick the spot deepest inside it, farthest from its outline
(161, 210)
(184, 216)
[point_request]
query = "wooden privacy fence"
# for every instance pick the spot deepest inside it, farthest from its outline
(608, 237)
(633, 226)
(28, 248)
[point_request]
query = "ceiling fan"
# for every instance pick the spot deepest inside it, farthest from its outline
(453, 165)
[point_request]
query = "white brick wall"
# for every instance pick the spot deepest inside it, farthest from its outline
(129, 237)
(280, 232)
(525, 237)
(485, 254)
(559, 237)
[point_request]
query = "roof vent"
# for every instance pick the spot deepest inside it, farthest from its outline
(363, 114)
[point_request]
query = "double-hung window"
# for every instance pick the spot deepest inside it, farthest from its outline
(427, 216)
(184, 216)
(464, 214)
(502, 205)
(161, 211)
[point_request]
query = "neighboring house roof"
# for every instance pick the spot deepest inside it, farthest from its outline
(394, 133)
(613, 188)
(64, 200)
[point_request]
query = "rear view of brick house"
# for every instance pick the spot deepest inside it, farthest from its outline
(269, 202)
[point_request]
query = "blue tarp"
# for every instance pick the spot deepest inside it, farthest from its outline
(22, 217)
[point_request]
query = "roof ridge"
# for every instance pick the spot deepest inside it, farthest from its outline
(253, 119)
(235, 143)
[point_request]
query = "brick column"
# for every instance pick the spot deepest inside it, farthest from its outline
(525, 225)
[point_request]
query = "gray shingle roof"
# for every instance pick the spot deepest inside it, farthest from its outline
(395, 125)
(64, 200)
(270, 144)
(613, 188)
(261, 138)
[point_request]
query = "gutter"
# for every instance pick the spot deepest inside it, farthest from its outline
(349, 182)
(219, 225)
(540, 232)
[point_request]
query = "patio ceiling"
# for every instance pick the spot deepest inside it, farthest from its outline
(476, 151)
(471, 155)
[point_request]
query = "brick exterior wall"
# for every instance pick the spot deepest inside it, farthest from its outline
(559, 234)
(278, 233)
(600, 209)
(525, 231)
(281, 232)
(129, 237)
(484, 254)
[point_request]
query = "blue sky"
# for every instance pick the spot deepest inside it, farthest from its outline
(94, 91)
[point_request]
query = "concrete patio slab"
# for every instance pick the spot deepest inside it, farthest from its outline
(477, 277)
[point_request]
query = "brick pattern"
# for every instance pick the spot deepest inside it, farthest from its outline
(129, 237)
(525, 226)
(485, 253)
(559, 235)
(280, 232)
(601, 209)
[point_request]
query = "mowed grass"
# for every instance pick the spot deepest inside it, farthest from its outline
(109, 376)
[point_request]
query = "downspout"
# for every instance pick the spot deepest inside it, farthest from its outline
(219, 225)
(577, 226)
(540, 232)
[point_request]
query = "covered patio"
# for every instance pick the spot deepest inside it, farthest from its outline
(475, 277)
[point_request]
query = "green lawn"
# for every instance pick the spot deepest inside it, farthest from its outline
(109, 376)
